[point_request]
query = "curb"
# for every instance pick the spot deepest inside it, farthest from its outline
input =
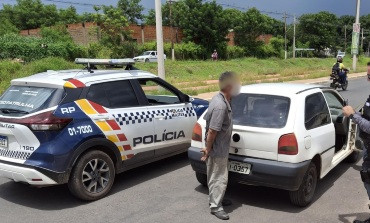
(208, 96)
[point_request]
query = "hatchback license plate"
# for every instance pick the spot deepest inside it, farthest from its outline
(243, 168)
(4, 141)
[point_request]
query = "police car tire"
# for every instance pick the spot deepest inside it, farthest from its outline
(147, 60)
(202, 178)
(353, 158)
(75, 184)
(298, 197)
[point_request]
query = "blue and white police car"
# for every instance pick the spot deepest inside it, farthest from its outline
(82, 127)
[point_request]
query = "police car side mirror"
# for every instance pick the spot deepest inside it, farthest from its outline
(187, 98)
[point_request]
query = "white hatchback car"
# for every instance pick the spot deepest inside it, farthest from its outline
(285, 136)
(148, 56)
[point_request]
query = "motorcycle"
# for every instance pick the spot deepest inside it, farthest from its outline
(337, 82)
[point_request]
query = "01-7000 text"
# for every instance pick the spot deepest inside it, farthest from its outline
(84, 129)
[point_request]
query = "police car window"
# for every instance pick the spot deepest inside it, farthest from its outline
(25, 99)
(316, 111)
(97, 94)
(157, 94)
(266, 111)
(115, 94)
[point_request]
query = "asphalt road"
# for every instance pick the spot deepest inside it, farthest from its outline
(167, 191)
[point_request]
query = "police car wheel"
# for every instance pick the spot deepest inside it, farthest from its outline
(202, 178)
(147, 60)
(92, 177)
(304, 195)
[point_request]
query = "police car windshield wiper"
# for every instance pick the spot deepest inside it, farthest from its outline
(13, 111)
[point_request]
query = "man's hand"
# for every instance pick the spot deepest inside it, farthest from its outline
(205, 154)
(348, 110)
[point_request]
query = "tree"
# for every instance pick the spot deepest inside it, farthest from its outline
(234, 17)
(30, 14)
(131, 9)
(319, 29)
(112, 23)
(254, 24)
(203, 23)
(150, 18)
(7, 27)
(69, 15)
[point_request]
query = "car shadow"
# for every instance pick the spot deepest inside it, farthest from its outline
(275, 199)
(58, 197)
(358, 216)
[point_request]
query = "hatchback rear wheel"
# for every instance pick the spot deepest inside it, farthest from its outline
(304, 195)
(202, 178)
(93, 176)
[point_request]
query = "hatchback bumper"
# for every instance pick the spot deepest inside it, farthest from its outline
(269, 173)
(24, 174)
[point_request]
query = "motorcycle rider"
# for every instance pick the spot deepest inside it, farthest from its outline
(363, 121)
(340, 70)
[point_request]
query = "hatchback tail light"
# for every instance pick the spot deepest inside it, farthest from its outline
(288, 145)
(197, 133)
(41, 122)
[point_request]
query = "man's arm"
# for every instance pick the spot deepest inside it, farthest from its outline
(356, 117)
(215, 125)
(211, 136)
(362, 123)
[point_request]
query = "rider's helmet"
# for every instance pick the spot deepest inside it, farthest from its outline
(339, 59)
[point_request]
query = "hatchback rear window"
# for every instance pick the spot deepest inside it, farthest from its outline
(25, 99)
(266, 111)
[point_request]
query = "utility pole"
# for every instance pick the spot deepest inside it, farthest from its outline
(171, 26)
(362, 38)
(285, 38)
(354, 63)
(294, 24)
(159, 32)
(345, 38)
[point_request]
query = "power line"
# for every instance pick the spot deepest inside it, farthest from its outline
(245, 9)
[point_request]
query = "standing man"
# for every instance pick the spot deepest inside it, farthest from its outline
(363, 121)
(218, 135)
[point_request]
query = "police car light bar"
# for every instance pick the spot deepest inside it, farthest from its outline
(111, 62)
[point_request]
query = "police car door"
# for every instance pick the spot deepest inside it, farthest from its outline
(123, 118)
(173, 118)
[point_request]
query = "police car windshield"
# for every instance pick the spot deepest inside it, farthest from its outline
(266, 111)
(146, 53)
(24, 99)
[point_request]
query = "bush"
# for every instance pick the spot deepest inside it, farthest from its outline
(97, 50)
(183, 51)
(233, 52)
(10, 69)
(33, 48)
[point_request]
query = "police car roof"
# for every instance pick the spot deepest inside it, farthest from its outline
(282, 89)
(57, 79)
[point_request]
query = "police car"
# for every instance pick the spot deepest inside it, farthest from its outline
(82, 127)
(285, 136)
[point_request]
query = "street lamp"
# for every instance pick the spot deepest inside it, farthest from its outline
(171, 27)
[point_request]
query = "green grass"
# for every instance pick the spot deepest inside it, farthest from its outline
(191, 76)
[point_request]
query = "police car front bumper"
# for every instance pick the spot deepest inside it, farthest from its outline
(24, 174)
(269, 173)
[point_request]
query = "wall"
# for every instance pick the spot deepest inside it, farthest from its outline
(85, 33)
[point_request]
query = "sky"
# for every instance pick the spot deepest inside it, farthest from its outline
(298, 7)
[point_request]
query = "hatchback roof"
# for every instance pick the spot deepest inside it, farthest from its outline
(284, 89)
